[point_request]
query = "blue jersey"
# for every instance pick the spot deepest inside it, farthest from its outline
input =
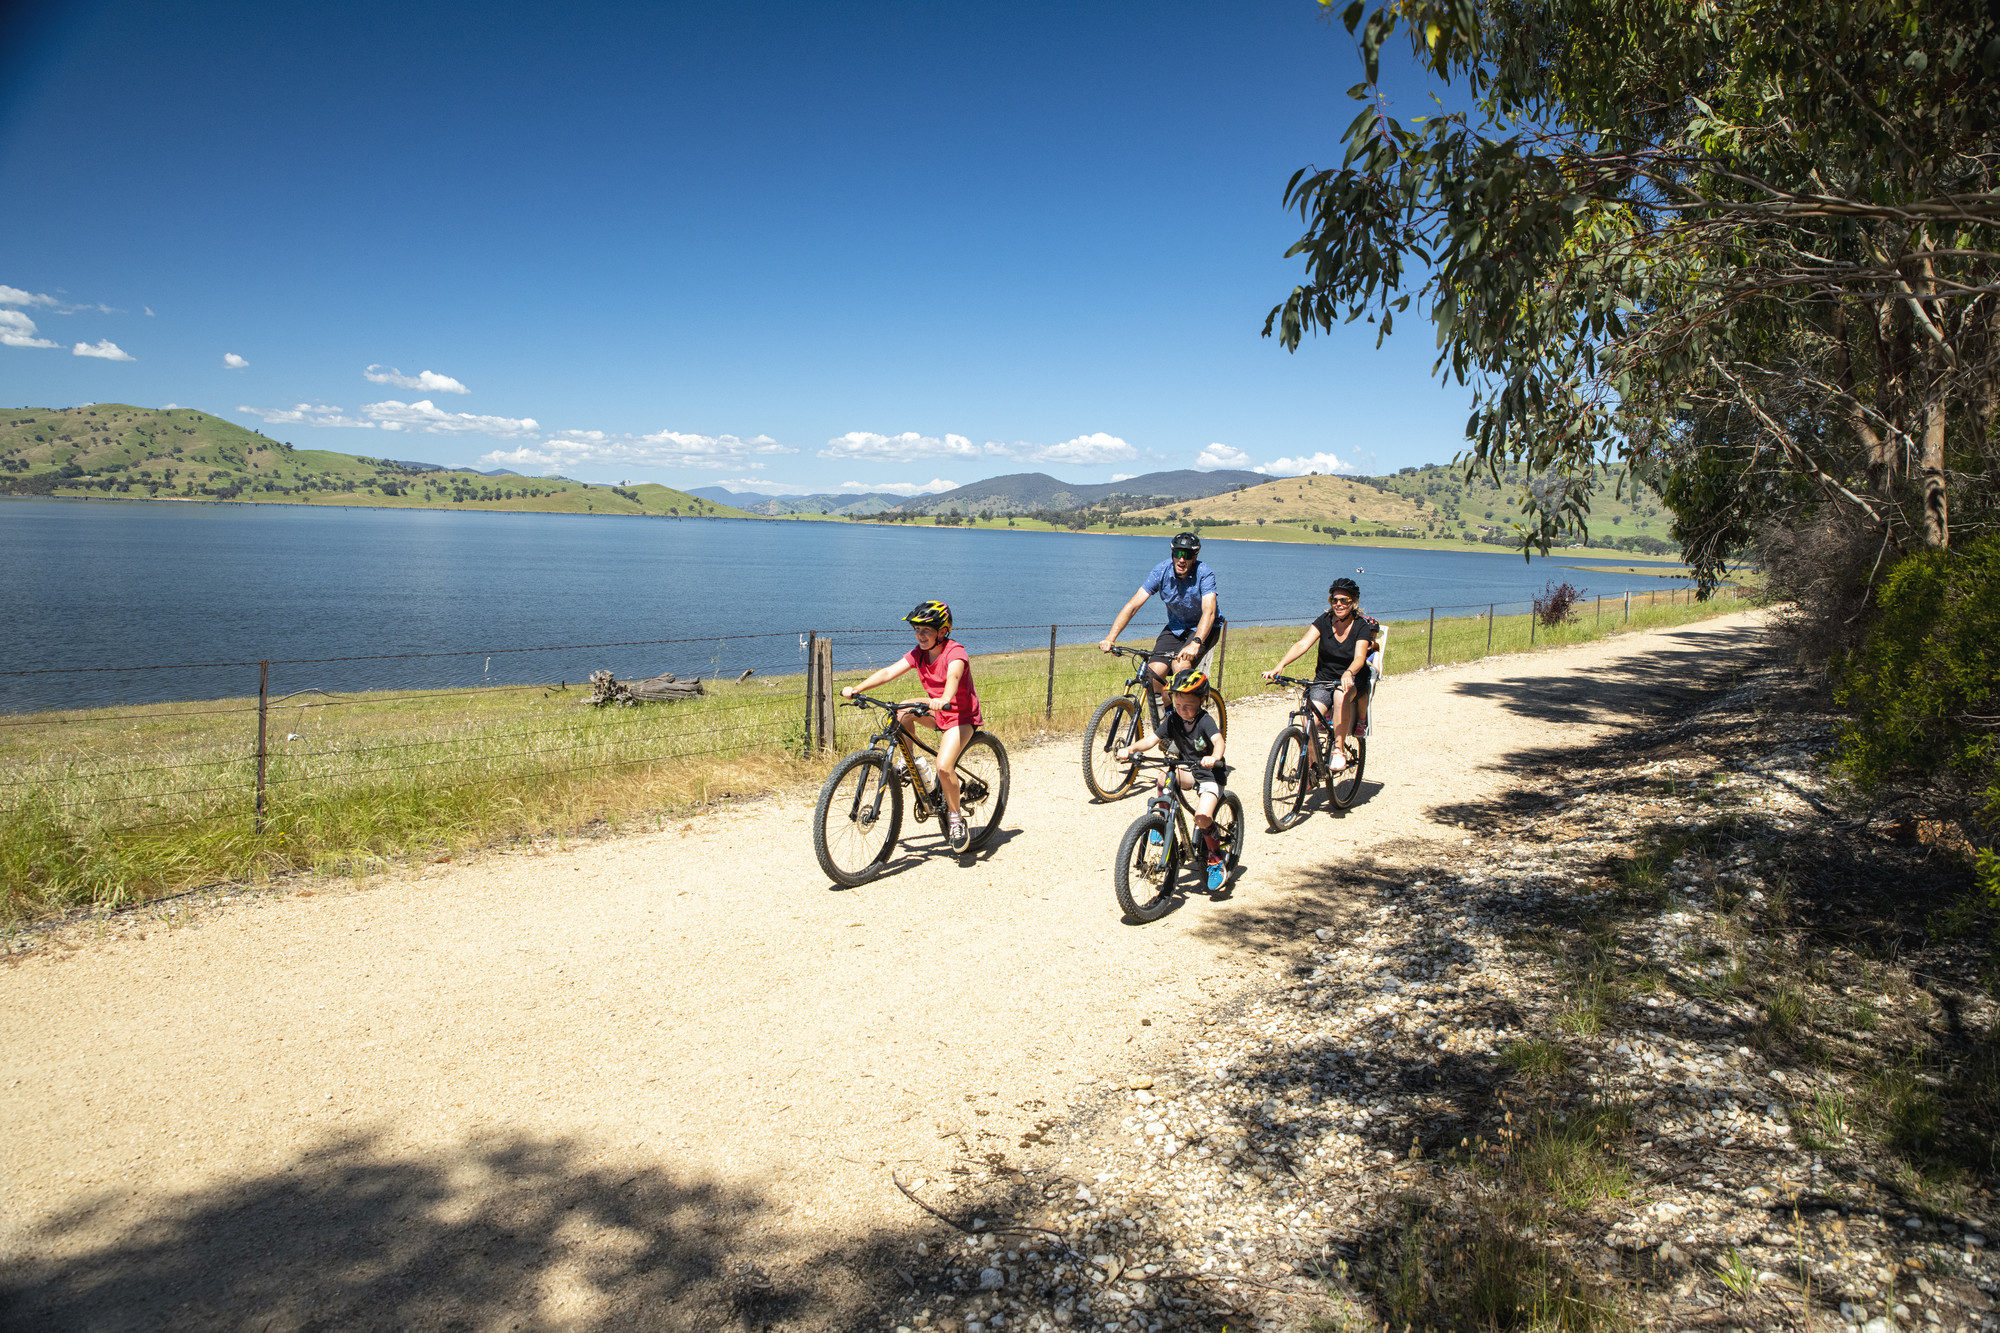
(1182, 596)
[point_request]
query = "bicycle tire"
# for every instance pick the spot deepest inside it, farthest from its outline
(1113, 725)
(1143, 879)
(1221, 711)
(851, 851)
(1229, 819)
(983, 777)
(1344, 786)
(1286, 780)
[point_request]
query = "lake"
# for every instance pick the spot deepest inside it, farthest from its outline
(141, 585)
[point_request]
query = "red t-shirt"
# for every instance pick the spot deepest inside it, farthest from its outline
(964, 706)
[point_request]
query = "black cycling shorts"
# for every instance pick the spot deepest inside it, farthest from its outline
(1320, 692)
(1170, 643)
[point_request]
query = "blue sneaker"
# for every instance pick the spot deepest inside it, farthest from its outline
(1216, 873)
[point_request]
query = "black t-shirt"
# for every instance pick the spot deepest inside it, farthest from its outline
(1335, 656)
(1191, 741)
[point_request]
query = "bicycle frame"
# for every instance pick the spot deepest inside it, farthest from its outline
(895, 737)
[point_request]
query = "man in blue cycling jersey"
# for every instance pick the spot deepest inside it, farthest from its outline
(1186, 587)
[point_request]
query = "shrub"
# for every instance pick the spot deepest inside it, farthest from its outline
(1923, 690)
(1557, 604)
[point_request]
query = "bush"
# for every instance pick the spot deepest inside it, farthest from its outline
(1923, 689)
(1557, 604)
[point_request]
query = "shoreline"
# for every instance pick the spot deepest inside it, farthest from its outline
(1207, 534)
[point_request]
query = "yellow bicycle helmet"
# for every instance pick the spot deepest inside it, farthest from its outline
(1192, 681)
(934, 614)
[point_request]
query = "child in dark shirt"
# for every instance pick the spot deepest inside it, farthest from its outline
(1190, 736)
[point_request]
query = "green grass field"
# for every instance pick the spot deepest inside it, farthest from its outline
(107, 807)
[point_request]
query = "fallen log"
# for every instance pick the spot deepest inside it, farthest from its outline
(664, 688)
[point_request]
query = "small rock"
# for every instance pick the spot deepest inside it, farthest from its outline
(1914, 1223)
(1878, 1325)
(1323, 934)
(1975, 1240)
(991, 1279)
(1142, 1082)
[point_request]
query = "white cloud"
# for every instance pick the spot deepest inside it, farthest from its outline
(1298, 467)
(932, 487)
(1123, 476)
(17, 330)
(1083, 451)
(1221, 455)
(306, 414)
(737, 485)
(103, 348)
(15, 296)
(903, 448)
(426, 416)
(147, 309)
(234, 362)
(169, 407)
(666, 448)
(427, 380)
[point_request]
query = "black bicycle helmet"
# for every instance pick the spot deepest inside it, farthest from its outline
(934, 614)
(1186, 541)
(1348, 586)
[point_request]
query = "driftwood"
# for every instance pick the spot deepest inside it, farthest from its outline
(664, 688)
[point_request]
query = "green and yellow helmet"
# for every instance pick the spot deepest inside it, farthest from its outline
(1192, 681)
(934, 614)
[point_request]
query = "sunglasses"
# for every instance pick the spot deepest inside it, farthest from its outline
(1341, 601)
(1185, 555)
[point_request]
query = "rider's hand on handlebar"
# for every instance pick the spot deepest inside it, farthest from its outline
(847, 691)
(1104, 645)
(1272, 674)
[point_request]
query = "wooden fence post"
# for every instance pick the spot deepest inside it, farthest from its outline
(1533, 616)
(1489, 625)
(824, 736)
(1430, 637)
(1600, 610)
(263, 718)
(812, 689)
(1049, 708)
(1628, 606)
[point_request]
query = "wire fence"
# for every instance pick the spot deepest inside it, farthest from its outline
(265, 741)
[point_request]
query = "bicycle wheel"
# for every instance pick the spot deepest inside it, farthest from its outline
(1143, 877)
(1221, 711)
(1115, 724)
(982, 785)
(1344, 786)
(860, 812)
(1229, 829)
(1285, 780)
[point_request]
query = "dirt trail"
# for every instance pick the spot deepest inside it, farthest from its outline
(572, 1086)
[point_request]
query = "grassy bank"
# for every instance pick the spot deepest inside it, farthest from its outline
(111, 806)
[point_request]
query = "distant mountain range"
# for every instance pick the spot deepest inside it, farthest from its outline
(873, 502)
(1017, 493)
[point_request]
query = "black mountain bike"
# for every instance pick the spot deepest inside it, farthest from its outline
(860, 811)
(1289, 776)
(1159, 856)
(1116, 724)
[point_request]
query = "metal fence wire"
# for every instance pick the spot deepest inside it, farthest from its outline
(141, 747)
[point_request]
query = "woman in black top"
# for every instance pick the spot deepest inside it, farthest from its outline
(1341, 679)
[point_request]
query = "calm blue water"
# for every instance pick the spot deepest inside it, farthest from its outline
(133, 584)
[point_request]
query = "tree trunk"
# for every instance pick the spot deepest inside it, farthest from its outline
(1937, 526)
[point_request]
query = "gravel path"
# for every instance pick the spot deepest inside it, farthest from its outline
(662, 1077)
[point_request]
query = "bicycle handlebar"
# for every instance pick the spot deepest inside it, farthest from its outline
(1120, 650)
(869, 701)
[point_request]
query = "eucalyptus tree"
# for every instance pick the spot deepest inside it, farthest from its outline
(1745, 249)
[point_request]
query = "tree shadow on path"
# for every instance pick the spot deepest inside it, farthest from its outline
(513, 1232)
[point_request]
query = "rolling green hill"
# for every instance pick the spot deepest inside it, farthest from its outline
(1432, 502)
(113, 449)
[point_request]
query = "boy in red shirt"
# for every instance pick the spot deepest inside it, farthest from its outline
(946, 674)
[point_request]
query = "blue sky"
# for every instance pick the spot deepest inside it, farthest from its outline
(783, 247)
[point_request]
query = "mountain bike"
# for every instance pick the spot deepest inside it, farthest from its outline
(860, 810)
(1116, 724)
(1290, 776)
(1159, 856)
